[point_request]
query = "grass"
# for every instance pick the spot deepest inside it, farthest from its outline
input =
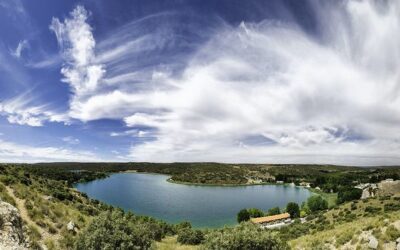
(49, 215)
(170, 243)
(4, 196)
(347, 224)
(330, 197)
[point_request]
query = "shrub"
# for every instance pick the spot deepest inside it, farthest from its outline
(8, 180)
(116, 230)
(182, 225)
(344, 237)
(5, 196)
(294, 230)
(391, 207)
(243, 237)
(392, 233)
(255, 212)
(243, 215)
(52, 229)
(50, 244)
(293, 209)
(316, 203)
(274, 211)
(34, 233)
(62, 194)
(371, 209)
(348, 194)
(190, 237)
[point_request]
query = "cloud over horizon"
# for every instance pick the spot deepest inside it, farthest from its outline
(257, 91)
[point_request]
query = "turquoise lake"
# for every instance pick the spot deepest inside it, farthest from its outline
(203, 206)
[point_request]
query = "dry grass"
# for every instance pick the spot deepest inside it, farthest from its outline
(170, 243)
(347, 235)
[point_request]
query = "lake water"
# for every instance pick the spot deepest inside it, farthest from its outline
(203, 206)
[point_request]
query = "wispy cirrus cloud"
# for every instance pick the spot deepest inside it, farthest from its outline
(258, 92)
(13, 152)
(21, 110)
(71, 140)
(20, 47)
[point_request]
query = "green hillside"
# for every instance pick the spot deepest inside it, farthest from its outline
(47, 203)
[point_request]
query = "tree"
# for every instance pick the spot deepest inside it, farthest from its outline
(293, 209)
(243, 215)
(255, 212)
(246, 236)
(116, 229)
(274, 211)
(316, 203)
(348, 194)
(112, 230)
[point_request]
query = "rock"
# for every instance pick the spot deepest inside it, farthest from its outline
(71, 226)
(398, 246)
(47, 197)
(372, 242)
(11, 233)
(398, 240)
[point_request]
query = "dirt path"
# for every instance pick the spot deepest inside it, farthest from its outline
(24, 215)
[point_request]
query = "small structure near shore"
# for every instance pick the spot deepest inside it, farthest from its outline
(273, 221)
(305, 184)
(368, 190)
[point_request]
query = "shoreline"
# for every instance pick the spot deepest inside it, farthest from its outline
(170, 180)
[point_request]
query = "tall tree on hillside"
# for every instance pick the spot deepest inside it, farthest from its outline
(293, 209)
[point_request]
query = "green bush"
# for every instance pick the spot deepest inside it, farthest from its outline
(243, 215)
(255, 212)
(392, 233)
(190, 237)
(344, 237)
(348, 194)
(117, 230)
(316, 203)
(274, 211)
(293, 209)
(391, 207)
(246, 236)
(371, 209)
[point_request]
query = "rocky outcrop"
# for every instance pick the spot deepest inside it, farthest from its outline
(11, 230)
(373, 242)
(71, 226)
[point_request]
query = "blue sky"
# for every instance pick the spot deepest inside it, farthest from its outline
(227, 81)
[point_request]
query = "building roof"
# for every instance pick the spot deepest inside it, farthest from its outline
(270, 218)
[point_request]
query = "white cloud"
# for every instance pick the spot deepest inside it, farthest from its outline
(134, 133)
(327, 99)
(49, 61)
(12, 152)
(76, 41)
(20, 110)
(20, 47)
(71, 140)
